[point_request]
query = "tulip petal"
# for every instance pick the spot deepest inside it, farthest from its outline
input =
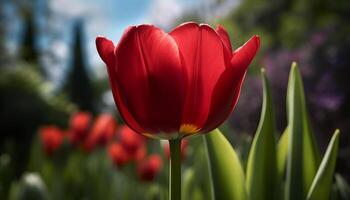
(227, 89)
(124, 112)
(150, 78)
(203, 56)
(244, 55)
(224, 37)
(130, 77)
(105, 48)
(224, 98)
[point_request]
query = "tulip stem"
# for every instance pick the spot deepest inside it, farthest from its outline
(175, 169)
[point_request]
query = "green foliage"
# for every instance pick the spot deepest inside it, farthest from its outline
(26, 102)
(262, 180)
(73, 174)
(225, 167)
(294, 182)
(190, 189)
(322, 183)
(343, 187)
(6, 172)
(295, 22)
(288, 170)
(282, 151)
(24, 90)
(303, 156)
(31, 187)
(196, 177)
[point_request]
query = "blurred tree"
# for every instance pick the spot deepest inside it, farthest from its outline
(288, 22)
(28, 50)
(26, 102)
(28, 46)
(3, 22)
(78, 84)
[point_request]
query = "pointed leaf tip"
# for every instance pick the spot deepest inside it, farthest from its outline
(303, 155)
(262, 165)
(322, 183)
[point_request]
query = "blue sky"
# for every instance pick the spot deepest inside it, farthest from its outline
(107, 18)
(110, 17)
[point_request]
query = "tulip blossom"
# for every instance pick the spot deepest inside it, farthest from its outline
(133, 143)
(118, 154)
(79, 126)
(51, 138)
(140, 153)
(102, 131)
(130, 140)
(171, 85)
(149, 168)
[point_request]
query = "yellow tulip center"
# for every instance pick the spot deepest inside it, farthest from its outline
(189, 129)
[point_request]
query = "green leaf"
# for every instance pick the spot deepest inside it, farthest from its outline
(282, 152)
(188, 184)
(342, 186)
(303, 157)
(200, 170)
(322, 183)
(311, 154)
(294, 181)
(226, 169)
(262, 165)
(191, 189)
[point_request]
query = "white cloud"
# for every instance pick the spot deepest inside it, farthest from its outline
(75, 8)
(164, 13)
(60, 48)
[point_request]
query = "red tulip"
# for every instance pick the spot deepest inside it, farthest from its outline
(184, 144)
(170, 85)
(149, 168)
(79, 126)
(133, 143)
(140, 153)
(102, 131)
(51, 138)
(118, 154)
(130, 139)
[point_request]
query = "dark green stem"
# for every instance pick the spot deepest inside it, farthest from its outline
(175, 170)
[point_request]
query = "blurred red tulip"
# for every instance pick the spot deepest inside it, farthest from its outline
(149, 168)
(102, 131)
(170, 85)
(88, 145)
(79, 126)
(140, 153)
(131, 140)
(184, 144)
(51, 138)
(118, 154)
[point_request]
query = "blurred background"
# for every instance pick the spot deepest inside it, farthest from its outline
(61, 136)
